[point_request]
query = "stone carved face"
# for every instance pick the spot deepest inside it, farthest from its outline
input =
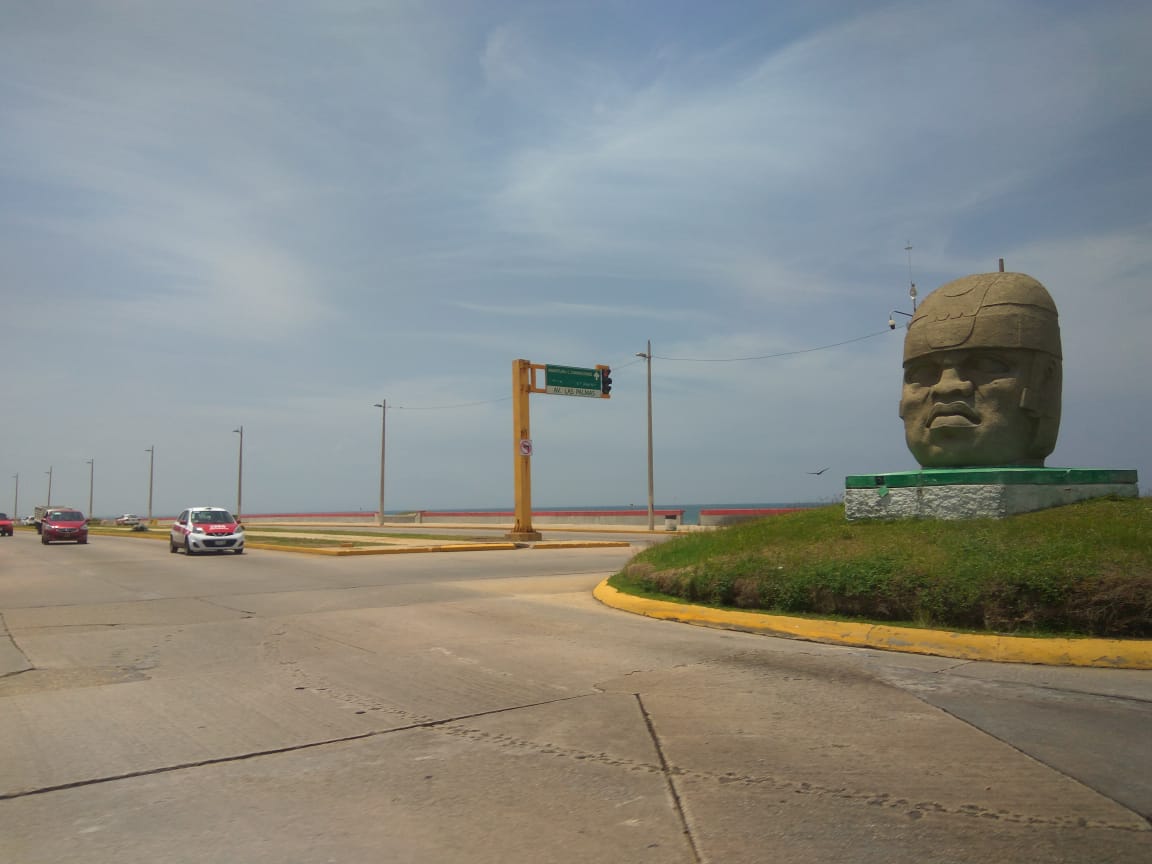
(982, 374)
(963, 408)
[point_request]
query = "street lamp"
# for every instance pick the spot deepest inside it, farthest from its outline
(240, 475)
(647, 355)
(91, 482)
(49, 473)
(383, 406)
(151, 473)
(16, 500)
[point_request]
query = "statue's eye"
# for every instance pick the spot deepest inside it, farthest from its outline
(988, 364)
(922, 374)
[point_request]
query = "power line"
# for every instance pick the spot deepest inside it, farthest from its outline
(446, 407)
(633, 362)
(771, 356)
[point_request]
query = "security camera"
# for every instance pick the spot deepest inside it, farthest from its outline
(891, 324)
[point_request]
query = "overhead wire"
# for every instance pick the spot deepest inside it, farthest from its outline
(634, 361)
(770, 356)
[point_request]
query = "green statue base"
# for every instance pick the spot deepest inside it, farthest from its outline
(979, 493)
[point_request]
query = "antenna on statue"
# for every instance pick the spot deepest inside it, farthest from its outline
(911, 294)
(911, 284)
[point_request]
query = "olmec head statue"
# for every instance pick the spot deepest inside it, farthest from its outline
(982, 374)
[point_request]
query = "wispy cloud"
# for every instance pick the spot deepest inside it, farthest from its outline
(579, 310)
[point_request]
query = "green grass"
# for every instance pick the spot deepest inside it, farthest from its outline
(1085, 569)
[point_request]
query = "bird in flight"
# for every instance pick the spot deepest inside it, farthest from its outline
(817, 473)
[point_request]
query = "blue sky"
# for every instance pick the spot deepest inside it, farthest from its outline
(275, 214)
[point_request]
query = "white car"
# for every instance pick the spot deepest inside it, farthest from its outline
(128, 519)
(206, 529)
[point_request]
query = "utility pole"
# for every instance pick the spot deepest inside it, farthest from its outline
(49, 473)
(383, 406)
(240, 475)
(91, 482)
(151, 451)
(647, 355)
(16, 500)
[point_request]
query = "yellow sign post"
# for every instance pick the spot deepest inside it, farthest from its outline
(559, 380)
(522, 381)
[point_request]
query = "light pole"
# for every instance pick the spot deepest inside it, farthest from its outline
(383, 406)
(647, 355)
(49, 473)
(91, 482)
(16, 500)
(151, 473)
(240, 475)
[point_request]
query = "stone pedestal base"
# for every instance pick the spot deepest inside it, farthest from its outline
(979, 493)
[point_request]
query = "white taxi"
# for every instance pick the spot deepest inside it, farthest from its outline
(206, 529)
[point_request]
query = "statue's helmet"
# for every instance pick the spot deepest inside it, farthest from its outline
(999, 311)
(988, 310)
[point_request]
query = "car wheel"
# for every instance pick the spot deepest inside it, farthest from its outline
(187, 547)
(172, 547)
(83, 542)
(44, 539)
(239, 551)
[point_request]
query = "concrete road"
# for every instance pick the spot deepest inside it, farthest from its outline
(482, 707)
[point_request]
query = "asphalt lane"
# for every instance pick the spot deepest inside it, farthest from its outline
(481, 707)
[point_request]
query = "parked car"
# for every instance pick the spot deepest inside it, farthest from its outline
(28, 521)
(206, 529)
(5, 525)
(63, 525)
(128, 519)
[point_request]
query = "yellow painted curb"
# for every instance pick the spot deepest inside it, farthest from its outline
(388, 550)
(1101, 653)
(580, 544)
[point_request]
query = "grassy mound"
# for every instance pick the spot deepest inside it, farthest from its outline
(1084, 569)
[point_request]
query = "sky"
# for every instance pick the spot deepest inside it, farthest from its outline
(275, 214)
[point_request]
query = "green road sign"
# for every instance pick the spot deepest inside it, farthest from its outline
(572, 381)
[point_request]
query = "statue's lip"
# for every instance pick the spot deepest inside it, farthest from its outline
(953, 414)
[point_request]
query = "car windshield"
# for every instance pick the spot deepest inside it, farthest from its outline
(68, 516)
(3, 515)
(211, 516)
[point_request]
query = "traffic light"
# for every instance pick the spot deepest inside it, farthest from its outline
(605, 382)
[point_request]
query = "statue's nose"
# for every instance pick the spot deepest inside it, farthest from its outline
(951, 381)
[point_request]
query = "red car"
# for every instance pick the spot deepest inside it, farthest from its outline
(5, 525)
(64, 525)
